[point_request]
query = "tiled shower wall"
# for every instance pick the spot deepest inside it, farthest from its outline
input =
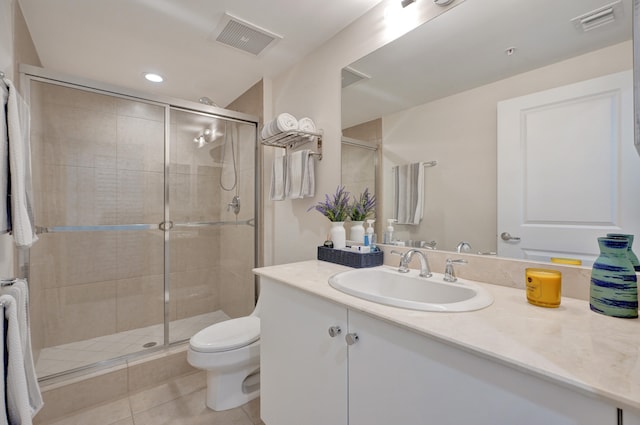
(99, 160)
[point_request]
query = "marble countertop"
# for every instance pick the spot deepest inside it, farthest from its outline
(570, 345)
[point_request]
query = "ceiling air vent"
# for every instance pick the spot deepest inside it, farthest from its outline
(351, 76)
(598, 17)
(244, 36)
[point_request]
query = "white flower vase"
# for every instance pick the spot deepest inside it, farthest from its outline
(357, 232)
(338, 234)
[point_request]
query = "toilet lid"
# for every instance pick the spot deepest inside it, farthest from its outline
(227, 335)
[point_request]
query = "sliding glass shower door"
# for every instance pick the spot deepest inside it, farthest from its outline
(212, 236)
(145, 216)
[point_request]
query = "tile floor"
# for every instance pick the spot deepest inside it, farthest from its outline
(71, 356)
(180, 401)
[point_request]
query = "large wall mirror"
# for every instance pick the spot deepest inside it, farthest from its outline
(527, 107)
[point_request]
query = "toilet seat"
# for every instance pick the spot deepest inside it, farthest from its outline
(227, 335)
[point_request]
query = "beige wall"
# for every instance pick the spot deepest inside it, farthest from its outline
(460, 132)
(312, 88)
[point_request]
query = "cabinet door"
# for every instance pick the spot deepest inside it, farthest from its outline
(401, 378)
(630, 417)
(303, 370)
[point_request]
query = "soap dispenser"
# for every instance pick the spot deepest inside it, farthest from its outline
(388, 234)
(371, 236)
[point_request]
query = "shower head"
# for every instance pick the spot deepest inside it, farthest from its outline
(207, 101)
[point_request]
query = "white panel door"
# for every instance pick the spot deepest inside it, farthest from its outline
(303, 370)
(567, 169)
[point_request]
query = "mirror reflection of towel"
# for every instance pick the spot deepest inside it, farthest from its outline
(409, 193)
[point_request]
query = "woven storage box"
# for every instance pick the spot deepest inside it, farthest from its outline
(348, 258)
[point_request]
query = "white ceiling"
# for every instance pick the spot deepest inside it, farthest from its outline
(116, 41)
(465, 48)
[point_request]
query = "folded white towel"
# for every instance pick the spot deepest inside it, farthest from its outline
(409, 193)
(278, 178)
(20, 292)
(3, 361)
(308, 176)
(295, 170)
(17, 392)
(283, 122)
(20, 166)
(4, 162)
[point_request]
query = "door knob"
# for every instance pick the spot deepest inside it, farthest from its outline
(351, 338)
(507, 237)
(334, 331)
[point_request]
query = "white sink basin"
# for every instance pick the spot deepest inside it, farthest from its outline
(386, 285)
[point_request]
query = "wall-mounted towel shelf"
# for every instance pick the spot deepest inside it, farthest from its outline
(295, 138)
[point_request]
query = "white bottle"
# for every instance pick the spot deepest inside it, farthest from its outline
(370, 236)
(388, 234)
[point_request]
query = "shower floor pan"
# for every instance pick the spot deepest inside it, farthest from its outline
(61, 358)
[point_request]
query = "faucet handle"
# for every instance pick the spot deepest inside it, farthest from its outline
(402, 267)
(449, 273)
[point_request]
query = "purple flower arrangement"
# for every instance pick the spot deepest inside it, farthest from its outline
(335, 208)
(362, 208)
(338, 208)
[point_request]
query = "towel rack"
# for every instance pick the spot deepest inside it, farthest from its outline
(295, 138)
(426, 164)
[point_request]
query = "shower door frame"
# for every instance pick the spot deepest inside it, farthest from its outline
(30, 73)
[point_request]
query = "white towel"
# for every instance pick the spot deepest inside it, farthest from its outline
(307, 124)
(300, 181)
(3, 404)
(295, 170)
(20, 292)
(409, 193)
(17, 392)
(4, 162)
(283, 122)
(20, 168)
(278, 178)
(309, 175)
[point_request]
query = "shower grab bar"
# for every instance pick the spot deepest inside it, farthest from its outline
(98, 228)
(249, 222)
(130, 227)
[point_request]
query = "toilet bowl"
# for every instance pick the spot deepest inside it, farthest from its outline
(229, 351)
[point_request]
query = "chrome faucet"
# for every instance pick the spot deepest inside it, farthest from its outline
(405, 259)
(449, 274)
(463, 247)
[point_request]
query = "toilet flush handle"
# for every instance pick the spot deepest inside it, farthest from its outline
(334, 331)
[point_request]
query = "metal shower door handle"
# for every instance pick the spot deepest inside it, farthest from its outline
(507, 237)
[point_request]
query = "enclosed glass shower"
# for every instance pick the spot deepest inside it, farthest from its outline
(146, 218)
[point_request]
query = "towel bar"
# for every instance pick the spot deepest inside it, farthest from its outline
(426, 164)
(293, 139)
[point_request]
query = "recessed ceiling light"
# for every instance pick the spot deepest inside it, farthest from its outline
(155, 78)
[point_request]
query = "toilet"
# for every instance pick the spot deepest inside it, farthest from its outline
(230, 353)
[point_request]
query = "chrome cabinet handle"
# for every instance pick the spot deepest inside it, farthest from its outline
(334, 331)
(507, 237)
(351, 338)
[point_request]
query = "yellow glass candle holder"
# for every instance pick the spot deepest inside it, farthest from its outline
(544, 287)
(569, 261)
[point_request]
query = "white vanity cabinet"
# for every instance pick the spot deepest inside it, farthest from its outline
(303, 370)
(630, 417)
(391, 375)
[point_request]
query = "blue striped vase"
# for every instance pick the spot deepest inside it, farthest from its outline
(632, 256)
(614, 286)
